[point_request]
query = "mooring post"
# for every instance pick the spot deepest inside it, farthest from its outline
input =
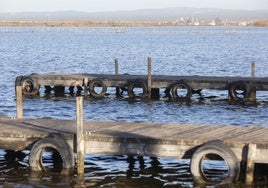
(80, 136)
(19, 102)
(253, 69)
(149, 77)
(116, 72)
(116, 67)
(250, 163)
(252, 95)
(86, 87)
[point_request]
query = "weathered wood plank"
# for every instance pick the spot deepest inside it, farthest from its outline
(158, 81)
(252, 134)
(213, 133)
(133, 138)
(242, 134)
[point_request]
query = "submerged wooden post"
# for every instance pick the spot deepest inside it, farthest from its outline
(149, 77)
(19, 102)
(80, 136)
(116, 72)
(253, 69)
(250, 163)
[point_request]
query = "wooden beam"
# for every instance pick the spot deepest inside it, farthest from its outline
(250, 163)
(80, 136)
(149, 77)
(86, 86)
(253, 69)
(116, 72)
(19, 102)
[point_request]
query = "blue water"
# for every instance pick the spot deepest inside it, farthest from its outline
(205, 51)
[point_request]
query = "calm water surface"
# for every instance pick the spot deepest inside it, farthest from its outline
(207, 51)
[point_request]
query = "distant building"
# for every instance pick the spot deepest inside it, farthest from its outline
(212, 23)
(193, 21)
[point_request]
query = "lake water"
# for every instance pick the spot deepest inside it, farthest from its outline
(205, 51)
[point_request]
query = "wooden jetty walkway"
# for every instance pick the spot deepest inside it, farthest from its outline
(240, 89)
(236, 145)
(239, 146)
(249, 144)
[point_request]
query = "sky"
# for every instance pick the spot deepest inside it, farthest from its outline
(114, 5)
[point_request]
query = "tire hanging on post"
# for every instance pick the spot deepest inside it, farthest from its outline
(239, 91)
(62, 152)
(181, 85)
(97, 83)
(220, 150)
(30, 87)
(137, 84)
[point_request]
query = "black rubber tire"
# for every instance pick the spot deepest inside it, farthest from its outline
(239, 85)
(137, 84)
(219, 148)
(181, 85)
(97, 83)
(56, 143)
(29, 86)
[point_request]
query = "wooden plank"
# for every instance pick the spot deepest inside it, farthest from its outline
(191, 131)
(149, 79)
(213, 133)
(20, 133)
(182, 131)
(158, 81)
(250, 163)
(19, 102)
(80, 142)
(260, 134)
(243, 134)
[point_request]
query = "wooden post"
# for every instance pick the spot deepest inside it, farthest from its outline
(116, 72)
(250, 163)
(19, 102)
(80, 136)
(149, 77)
(253, 69)
(116, 67)
(252, 95)
(86, 87)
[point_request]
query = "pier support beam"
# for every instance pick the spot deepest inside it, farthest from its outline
(59, 91)
(19, 102)
(149, 77)
(250, 163)
(80, 136)
(86, 87)
(252, 95)
(116, 72)
(253, 69)
(155, 93)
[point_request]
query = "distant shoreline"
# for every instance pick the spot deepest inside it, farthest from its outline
(104, 24)
(81, 24)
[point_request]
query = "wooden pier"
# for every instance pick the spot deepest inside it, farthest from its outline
(239, 146)
(239, 89)
(236, 145)
(144, 139)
